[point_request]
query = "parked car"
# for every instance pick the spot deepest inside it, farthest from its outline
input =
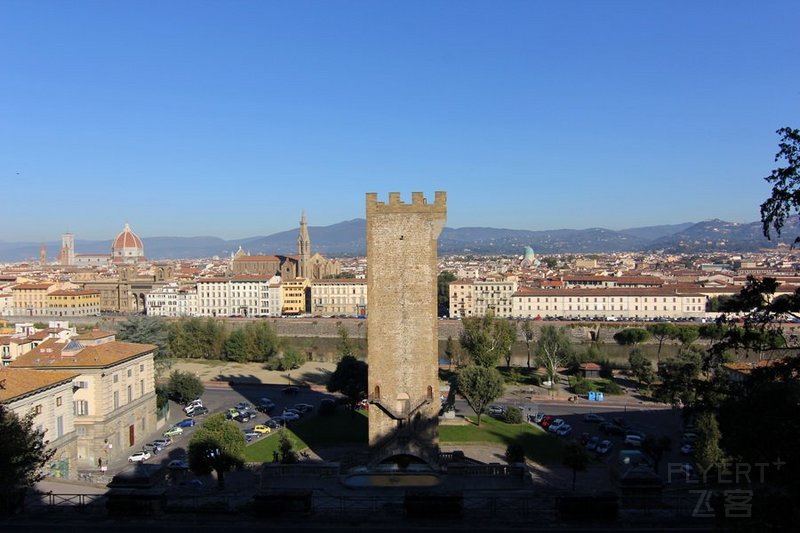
(564, 430)
(242, 406)
(290, 390)
(261, 428)
(152, 448)
(496, 410)
(191, 405)
(139, 457)
(197, 411)
(592, 444)
(620, 422)
(290, 416)
(231, 413)
(555, 424)
(178, 464)
(611, 429)
(640, 434)
(687, 449)
(276, 422)
(632, 440)
(604, 447)
(242, 417)
(546, 421)
(174, 431)
(303, 408)
(592, 417)
(363, 404)
(163, 442)
(185, 423)
(689, 438)
(265, 405)
(249, 435)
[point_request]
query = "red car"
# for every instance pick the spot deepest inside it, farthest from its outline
(546, 421)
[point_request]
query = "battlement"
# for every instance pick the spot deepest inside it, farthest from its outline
(396, 204)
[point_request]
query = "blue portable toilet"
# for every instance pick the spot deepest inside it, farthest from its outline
(592, 396)
(599, 396)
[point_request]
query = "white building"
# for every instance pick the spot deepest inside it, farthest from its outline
(172, 300)
(247, 296)
(477, 297)
(339, 297)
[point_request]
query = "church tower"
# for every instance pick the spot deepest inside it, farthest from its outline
(402, 349)
(303, 249)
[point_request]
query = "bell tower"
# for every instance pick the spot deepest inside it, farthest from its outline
(303, 249)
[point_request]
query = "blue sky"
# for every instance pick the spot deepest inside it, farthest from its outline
(228, 118)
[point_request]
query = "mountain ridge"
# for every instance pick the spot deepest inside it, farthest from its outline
(347, 238)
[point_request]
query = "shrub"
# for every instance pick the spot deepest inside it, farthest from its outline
(582, 386)
(611, 387)
(512, 416)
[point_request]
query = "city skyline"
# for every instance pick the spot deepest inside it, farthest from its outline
(191, 119)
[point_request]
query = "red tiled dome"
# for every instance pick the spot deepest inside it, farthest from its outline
(127, 239)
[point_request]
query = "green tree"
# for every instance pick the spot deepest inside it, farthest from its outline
(479, 386)
(655, 447)
(450, 350)
(785, 181)
(443, 281)
(660, 331)
(551, 262)
(678, 377)
(235, 347)
(487, 338)
(528, 335)
(512, 416)
(576, 458)
(216, 445)
(262, 341)
(349, 378)
(641, 367)
(686, 335)
(24, 451)
(290, 359)
(553, 350)
(631, 336)
(345, 347)
(183, 387)
(707, 451)
(147, 330)
(287, 453)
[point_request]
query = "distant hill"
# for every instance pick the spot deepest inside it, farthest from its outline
(348, 239)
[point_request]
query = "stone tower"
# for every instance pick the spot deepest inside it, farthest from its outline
(67, 255)
(402, 345)
(303, 249)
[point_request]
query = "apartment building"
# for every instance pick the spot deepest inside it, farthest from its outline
(479, 297)
(642, 303)
(114, 400)
(295, 296)
(73, 302)
(347, 296)
(30, 299)
(172, 300)
(244, 295)
(47, 394)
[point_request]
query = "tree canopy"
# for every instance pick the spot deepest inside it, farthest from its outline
(553, 350)
(217, 445)
(785, 181)
(443, 281)
(349, 378)
(631, 336)
(147, 330)
(24, 451)
(183, 387)
(479, 386)
(486, 339)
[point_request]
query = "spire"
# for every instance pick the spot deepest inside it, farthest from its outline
(303, 247)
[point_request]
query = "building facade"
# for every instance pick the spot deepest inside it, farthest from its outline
(481, 297)
(73, 302)
(295, 296)
(331, 297)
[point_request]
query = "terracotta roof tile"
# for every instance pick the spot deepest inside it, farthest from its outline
(48, 355)
(19, 382)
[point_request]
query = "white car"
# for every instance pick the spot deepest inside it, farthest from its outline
(632, 440)
(139, 457)
(191, 405)
(604, 447)
(555, 425)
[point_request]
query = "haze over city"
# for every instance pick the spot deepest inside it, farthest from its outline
(227, 119)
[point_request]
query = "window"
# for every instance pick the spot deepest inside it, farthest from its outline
(80, 408)
(59, 427)
(130, 371)
(58, 401)
(141, 387)
(130, 394)
(37, 409)
(116, 378)
(116, 399)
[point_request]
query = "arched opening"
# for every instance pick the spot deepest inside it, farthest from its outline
(376, 395)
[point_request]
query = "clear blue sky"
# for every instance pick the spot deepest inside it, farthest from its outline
(228, 118)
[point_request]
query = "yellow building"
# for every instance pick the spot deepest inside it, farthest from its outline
(295, 295)
(74, 302)
(30, 299)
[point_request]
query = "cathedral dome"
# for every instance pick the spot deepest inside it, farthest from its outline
(127, 247)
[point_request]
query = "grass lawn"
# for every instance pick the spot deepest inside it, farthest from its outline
(538, 445)
(313, 431)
